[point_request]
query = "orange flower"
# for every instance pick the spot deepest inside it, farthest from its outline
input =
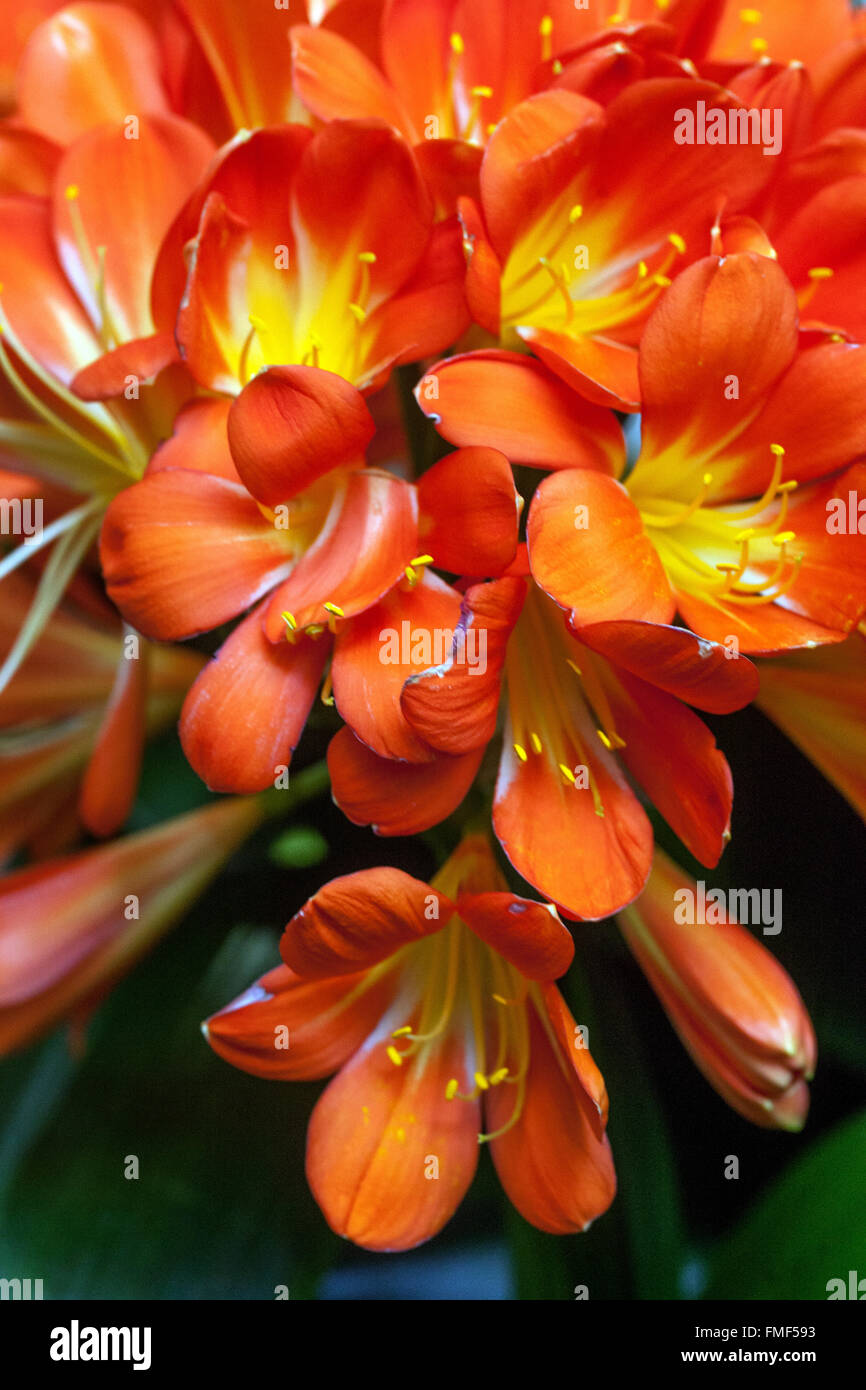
(711, 522)
(733, 1006)
(299, 257)
(297, 525)
(71, 927)
(578, 714)
(586, 212)
(435, 1006)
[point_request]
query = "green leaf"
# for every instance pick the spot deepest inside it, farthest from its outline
(809, 1228)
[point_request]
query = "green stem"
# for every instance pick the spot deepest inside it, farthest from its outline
(304, 786)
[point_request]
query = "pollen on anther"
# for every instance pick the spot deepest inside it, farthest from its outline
(521, 752)
(451, 1089)
(576, 213)
(401, 1032)
(422, 560)
(289, 618)
(567, 773)
(394, 1055)
(335, 609)
(457, 44)
(367, 257)
(71, 192)
(359, 314)
(536, 743)
(677, 242)
(663, 281)
(481, 1081)
(778, 450)
(820, 272)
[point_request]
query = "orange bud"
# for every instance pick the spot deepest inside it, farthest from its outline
(69, 928)
(735, 1009)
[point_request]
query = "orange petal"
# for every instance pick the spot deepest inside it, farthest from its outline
(699, 672)
(454, 706)
(128, 192)
(359, 920)
(589, 551)
(183, 552)
(86, 66)
(199, 442)
(469, 513)
(334, 80)
(137, 360)
(111, 780)
(505, 401)
(556, 1169)
(371, 1139)
(292, 425)
(323, 1023)
(245, 714)
(526, 933)
(363, 549)
(379, 651)
(396, 798)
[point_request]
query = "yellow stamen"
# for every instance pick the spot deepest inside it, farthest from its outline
(395, 1056)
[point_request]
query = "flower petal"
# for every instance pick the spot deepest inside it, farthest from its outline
(396, 798)
(528, 934)
(183, 552)
(699, 672)
(326, 1022)
(365, 545)
(506, 401)
(359, 920)
(469, 514)
(291, 425)
(245, 714)
(589, 551)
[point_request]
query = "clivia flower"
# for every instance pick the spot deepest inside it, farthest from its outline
(734, 1007)
(435, 1006)
(580, 711)
(292, 525)
(585, 217)
(724, 516)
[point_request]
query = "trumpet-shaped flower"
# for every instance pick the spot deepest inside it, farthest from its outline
(436, 1007)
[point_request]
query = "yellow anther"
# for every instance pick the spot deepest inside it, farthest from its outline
(605, 740)
(316, 630)
(358, 313)
(567, 773)
(821, 272)
(367, 257)
(536, 743)
(481, 1081)
(662, 281)
(521, 752)
(545, 29)
(751, 16)
(557, 66)
(783, 537)
(677, 242)
(498, 1076)
(289, 618)
(575, 668)
(457, 44)
(642, 270)
(759, 45)
(401, 1032)
(576, 213)
(394, 1055)
(422, 560)
(256, 322)
(71, 192)
(335, 609)
(482, 91)
(778, 450)
(499, 999)
(451, 1089)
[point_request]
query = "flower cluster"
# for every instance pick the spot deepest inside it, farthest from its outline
(490, 373)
